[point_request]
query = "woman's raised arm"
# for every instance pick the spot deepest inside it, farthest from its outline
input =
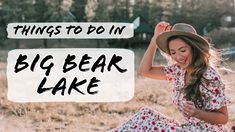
(146, 67)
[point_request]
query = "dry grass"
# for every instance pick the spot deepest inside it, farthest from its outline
(91, 116)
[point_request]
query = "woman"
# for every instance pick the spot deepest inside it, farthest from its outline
(198, 90)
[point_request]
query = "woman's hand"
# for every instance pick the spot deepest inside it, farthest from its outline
(161, 27)
(218, 116)
(189, 109)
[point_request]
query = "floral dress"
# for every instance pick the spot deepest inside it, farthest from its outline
(213, 96)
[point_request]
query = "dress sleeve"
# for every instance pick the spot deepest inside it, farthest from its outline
(171, 72)
(213, 90)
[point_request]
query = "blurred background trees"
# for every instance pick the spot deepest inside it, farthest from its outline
(210, 17)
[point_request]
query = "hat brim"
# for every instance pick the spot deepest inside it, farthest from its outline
(162, 39)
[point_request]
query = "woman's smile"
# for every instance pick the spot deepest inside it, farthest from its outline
(183, 62)
(180, 52)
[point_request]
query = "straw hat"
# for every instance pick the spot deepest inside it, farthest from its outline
(179, 29)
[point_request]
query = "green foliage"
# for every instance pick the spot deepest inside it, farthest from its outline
(42, 15)
(203, 14)
(78, 10)
(141, 8)
(155, 14)
(222, 37)
(103, 14)
(15, 11)
(120, 11)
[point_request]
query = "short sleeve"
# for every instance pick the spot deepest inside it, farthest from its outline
(213, 90)
(171, 72)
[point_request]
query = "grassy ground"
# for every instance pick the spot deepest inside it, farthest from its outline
(93, 116)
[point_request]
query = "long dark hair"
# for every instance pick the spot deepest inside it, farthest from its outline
(201, 55)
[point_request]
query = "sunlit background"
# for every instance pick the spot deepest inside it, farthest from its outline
(214, 19)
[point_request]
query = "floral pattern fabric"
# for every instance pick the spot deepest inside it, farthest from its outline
(213, 96)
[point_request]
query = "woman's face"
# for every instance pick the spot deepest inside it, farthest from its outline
(180, 52)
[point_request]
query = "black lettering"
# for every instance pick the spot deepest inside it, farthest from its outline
(92, 84)
(111, 30)
(61, 85)
(34, 62)
(40, 30)
(83, 62)
(100, 30)
(98, 64)
(40, 87)
(69, 28)
(57, 30)
(68, 61)
(77, 30)
(74, 85)
(16, 28)
(115, 59)
(90, 29)
(25, 30)
(119, 30)
(50, 30)
(48, 68)
(31, 32)
(20, 61)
